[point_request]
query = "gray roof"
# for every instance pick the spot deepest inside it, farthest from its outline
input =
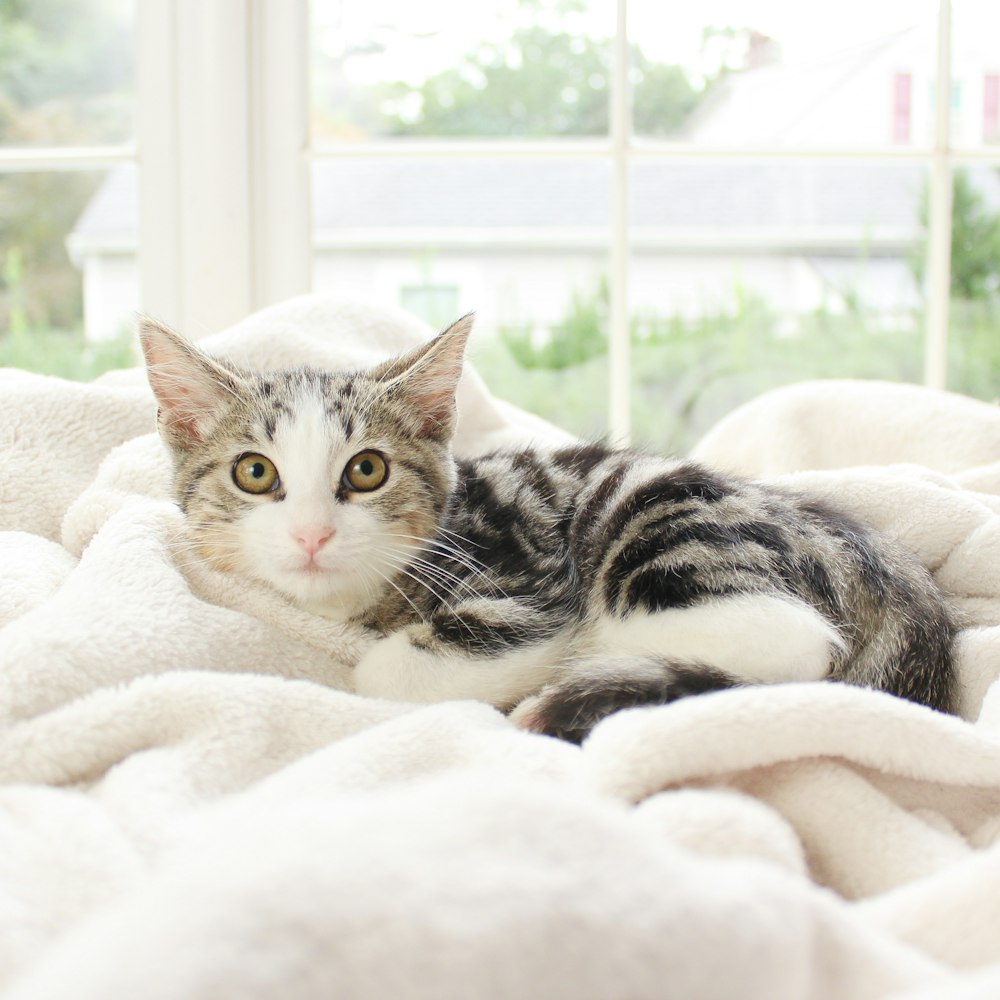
(838, 201)
(535, 195)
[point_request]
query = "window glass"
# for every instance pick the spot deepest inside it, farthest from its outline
(68, 238)
(975, 65)
(746, 73)
(974, 330)
(68, 271)
(66, 72)
(522, 243)
(748, 275)
(507, 68)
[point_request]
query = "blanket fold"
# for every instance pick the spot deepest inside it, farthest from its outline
(193, 805)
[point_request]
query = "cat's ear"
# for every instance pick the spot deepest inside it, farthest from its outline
(190, 388)
(427, 379)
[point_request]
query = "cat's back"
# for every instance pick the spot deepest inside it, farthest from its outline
(628, 533)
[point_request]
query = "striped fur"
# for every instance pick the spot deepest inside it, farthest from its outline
(568, 582)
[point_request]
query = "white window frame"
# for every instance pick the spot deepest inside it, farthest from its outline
(223, 123)
(621, 148)
(224, 156)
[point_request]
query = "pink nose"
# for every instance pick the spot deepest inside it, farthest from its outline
(311, 540)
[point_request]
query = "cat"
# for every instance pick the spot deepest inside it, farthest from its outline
(560, 584)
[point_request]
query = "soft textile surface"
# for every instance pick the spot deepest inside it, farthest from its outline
(193, 808)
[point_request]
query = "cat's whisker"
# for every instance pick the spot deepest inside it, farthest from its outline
(447, 578)
(439, 546)
(478, 572)
(459, 538)
(402, 568)
(401, 593)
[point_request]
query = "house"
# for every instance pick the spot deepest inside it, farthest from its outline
(515, 240)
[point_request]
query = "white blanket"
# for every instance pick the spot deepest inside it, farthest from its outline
(193, 808)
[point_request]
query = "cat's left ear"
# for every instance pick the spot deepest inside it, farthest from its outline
(427, 378)
(192, 389)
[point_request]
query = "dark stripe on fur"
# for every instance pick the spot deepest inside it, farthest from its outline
(476, 635)
(570, 710)
(580, 460)
(681, 487)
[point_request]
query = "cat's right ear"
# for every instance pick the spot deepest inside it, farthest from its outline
(190, 388)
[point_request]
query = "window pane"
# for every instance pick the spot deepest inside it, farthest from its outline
(975, 97)
(66, 73)
(746, 73)
(749, 275)
(501, 69)
(68, 273)
(523, 244)
(974, 332)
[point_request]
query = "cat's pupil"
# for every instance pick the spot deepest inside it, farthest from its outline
(257, 470)
(366, 467)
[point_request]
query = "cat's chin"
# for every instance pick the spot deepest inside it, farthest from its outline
(319, 590)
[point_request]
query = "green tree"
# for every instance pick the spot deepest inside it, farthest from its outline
(535, 84)
(65, 67)
(975, 241)
(578, 338)
(544, 80)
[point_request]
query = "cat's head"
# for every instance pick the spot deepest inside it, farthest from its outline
(322, 484)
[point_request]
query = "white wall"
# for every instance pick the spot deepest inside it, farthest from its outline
(110, 294)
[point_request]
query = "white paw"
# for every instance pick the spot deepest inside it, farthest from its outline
(377, 674)
(525, 714)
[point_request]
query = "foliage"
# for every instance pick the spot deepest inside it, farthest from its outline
(66, 354)
(535, 84)
(547, 79)
(689, 371)
(662, 97)
(975, 241)
(574, 341)
(65, 68)
(64, 73)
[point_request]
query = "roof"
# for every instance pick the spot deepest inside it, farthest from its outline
(681, 204)
(813, 102)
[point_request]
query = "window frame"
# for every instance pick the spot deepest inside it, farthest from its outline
(225, 234)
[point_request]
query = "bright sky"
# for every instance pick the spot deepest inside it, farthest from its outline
(668, 30)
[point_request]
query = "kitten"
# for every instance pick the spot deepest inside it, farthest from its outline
(568, 581)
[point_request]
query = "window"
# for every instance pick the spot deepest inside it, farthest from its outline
(901, 108)
(991, 107)
(663, 208)
(434, 304)
(67, 117)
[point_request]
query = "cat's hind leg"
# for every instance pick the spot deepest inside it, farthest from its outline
(756, 638)
(656, 657)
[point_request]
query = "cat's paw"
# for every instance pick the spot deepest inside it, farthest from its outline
(397, 669)
(557, 711)
(523, 715)
(377, 674)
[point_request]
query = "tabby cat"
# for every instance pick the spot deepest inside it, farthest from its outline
(564, 583)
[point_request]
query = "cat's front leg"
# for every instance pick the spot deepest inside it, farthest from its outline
(480, 651)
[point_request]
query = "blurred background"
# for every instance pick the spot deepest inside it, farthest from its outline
(657, 210)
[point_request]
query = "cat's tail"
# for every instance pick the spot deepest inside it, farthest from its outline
(601, 685)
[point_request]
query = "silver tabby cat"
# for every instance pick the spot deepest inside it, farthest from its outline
(563, 583)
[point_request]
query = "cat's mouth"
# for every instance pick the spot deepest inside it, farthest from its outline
(314, 569)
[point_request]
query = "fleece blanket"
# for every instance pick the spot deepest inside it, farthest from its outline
(194, 805)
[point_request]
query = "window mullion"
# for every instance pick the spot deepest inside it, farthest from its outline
(281, 260)
(619, 366)
(940, 221)
(224, 194)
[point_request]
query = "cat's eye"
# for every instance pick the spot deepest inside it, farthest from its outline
(367, 471)
(255, 474)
